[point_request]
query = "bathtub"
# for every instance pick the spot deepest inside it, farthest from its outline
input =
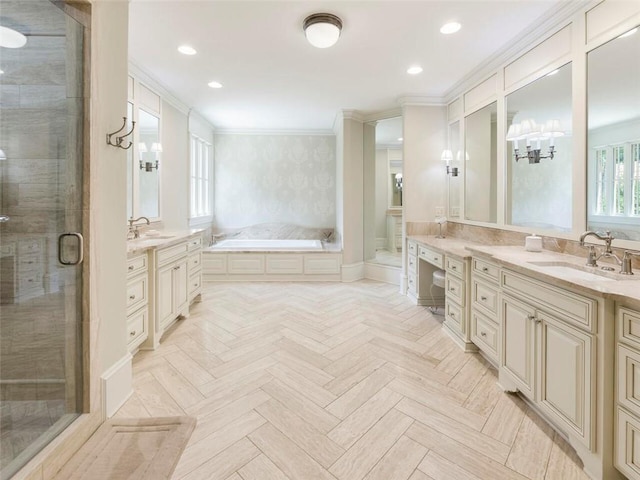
(267, 245)
(270, 260)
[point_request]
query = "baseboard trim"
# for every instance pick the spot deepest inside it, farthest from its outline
(353, 272)
(382, 273)
(117, 385)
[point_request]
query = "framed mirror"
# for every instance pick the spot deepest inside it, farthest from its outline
(130, 165)
(480, 165)
(149, 149)
(539, 153)
(613, 139)
(454, 180)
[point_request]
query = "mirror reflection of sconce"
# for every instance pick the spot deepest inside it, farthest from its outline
(399, 181)
(530, 131)
(3, 156)
(447, 157)
(157, 149)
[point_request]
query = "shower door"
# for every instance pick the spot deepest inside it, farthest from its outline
(41, 213)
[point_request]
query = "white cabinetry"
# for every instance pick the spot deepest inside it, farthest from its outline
(456, 317)
(485, 321)
(549, 352)
(421, 263)
(627, 424)
(137, 300)
(394, 230)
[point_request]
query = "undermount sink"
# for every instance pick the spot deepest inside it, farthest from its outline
(157, 237)
(572, 271)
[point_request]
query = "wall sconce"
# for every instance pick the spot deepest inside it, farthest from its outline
(447, 157)
(530, 131)
(150, 166)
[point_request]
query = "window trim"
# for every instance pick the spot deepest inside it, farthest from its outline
(197, 145)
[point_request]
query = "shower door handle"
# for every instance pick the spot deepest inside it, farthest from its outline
(80, 248)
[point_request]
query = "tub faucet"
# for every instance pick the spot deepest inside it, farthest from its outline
(133, 233)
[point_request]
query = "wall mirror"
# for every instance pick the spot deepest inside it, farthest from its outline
(480, 165)
(149, 151)
(613, 140)
(539, 178)
(454, 180)
(386, 247)
(130, 165)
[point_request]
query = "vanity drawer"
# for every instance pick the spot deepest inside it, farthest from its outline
(194, 243)
(29, 262)
(430, 256)
(195, 282)
(195, 261)
(412, 283)
(628, 326)
(455, 267)
(484, 333)
(29, 280)
(30, 245)
(571, 307)
(484, 295)
(455, 289)
(137, 328)
(486, 268)
(171, 253)
(413, 248)
(454, 315)
(627, 439)
(137, 291)
(136, 265)
(412, 262)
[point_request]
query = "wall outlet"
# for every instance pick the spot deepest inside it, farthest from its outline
(439, 211)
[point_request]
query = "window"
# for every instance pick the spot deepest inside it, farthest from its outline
(201, 178)
(617, 180)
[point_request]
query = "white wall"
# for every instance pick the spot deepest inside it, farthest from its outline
(275, 178)
(353, 192)
(382, 192)
(174, 178)
(425, 136)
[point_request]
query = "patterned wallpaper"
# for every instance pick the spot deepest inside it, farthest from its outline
(275, 178)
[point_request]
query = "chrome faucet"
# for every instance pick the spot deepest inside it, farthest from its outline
(592, 259)
(133, 233)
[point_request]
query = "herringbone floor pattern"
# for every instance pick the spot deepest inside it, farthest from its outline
(336, 381)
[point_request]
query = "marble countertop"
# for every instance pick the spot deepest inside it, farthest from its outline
(165, 238)
(447, 245)
(569, 273)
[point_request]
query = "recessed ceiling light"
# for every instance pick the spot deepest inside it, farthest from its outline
(552, 72)
(629, 33)
(416, 69)
(451, 27)
(187, 50)
(10, 38)
(215, 84)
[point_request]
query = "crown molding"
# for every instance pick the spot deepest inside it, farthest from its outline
(382, 115)
(352, 115)
(422, 100)
(145, 77)
(239, 131)
(195, 113)
(554, 20)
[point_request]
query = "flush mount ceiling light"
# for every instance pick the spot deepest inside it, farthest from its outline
(187, 50)
(322, 29)
(215, 84)
(416, 69)
(10, 38)
(451, 27)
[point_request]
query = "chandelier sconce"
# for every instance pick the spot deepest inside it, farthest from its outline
(149, 166)
(447, 157)
(532, 132)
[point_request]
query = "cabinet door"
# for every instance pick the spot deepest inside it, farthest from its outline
(180, 286)
(164, 295)
(565, 375)
(518, 343)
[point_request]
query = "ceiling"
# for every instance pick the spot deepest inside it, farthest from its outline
(274, 80)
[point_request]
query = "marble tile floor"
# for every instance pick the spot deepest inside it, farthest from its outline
(336, 381)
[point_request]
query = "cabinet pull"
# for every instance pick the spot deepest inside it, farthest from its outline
(452, 290)
(132, 333)
(453, 267)
(533, 318)
(452, 315)
(485, 269)
(483, 334)
(177, 268)
(484, 299)
(130, 267)
(132, 297)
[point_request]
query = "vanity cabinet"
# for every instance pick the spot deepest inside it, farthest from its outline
(137, 301)
(421, 263)
(627, 423)
(485, 320)
(456, 317)
(172, 299)
(549, 351)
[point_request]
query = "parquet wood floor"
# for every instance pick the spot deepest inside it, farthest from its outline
(336, 381)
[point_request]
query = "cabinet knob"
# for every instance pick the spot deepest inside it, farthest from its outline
(132, 297)
(177, 268)
(452, 315)
(483, 334)
(130, 267)
(452, 290)
(132, 333)
(484, 299)
(533, 318)
(453, 267)
(485, 269)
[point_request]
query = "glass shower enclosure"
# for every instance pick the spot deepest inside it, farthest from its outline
(41, 226)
